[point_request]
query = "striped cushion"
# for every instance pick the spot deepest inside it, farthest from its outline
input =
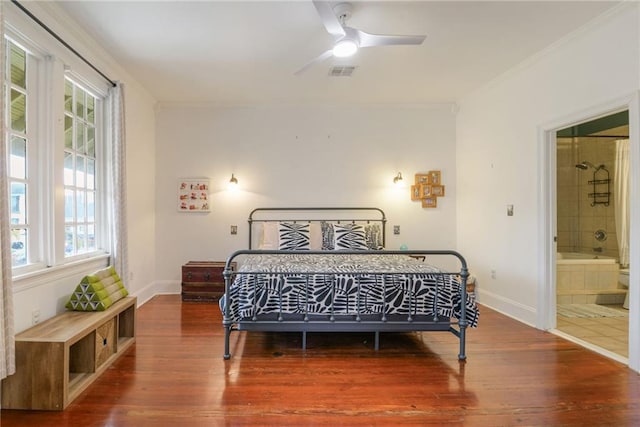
(293, 236)
(373, 236)
(349, 236)
(328, 239)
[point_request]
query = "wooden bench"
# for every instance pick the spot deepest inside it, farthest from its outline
(59, 358)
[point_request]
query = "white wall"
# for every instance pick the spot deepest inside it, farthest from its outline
(298, 156)
(498, 148)
(49, 293)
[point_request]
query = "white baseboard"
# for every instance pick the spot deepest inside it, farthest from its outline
(508, 307)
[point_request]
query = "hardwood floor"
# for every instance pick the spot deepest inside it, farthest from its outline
(515, 375)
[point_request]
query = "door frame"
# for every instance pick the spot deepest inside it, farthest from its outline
(546, 303)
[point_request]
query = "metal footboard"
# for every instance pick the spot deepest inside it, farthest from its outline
(358, 321)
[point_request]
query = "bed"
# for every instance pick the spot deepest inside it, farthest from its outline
(326, 270)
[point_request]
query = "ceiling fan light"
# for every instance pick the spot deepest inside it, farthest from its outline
(345, 48)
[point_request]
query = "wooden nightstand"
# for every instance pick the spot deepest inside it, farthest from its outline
(203, 280)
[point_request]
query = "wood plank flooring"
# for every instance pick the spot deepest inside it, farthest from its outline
(515, 375)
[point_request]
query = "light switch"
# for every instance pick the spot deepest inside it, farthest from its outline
(509, 210)
(234, 229)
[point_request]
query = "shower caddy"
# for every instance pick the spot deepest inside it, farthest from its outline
(599, 181)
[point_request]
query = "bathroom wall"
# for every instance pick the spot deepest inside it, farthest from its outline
(578, 220)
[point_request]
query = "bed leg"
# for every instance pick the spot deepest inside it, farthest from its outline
(462, 356)
(304, 340)
(377, 341)
(227, 332)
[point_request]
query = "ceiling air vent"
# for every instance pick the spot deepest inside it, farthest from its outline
(341, 70)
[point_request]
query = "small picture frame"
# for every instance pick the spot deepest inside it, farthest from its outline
(437, 190)
(434, 177)
(426, 191)
(430, 202)
(416, 192)
(193, 195)
(422, 178)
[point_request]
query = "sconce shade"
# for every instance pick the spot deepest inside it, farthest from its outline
(233, 182)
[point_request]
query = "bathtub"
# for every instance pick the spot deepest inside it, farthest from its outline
(579, 258)
(588, 279)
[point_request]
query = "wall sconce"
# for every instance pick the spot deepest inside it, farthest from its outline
(397, 180)
(233, 182)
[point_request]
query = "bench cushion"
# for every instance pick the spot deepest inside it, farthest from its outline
(98, 291)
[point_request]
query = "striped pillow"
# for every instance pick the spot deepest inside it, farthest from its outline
(328, 239)
(349, 236)
(293, 236)
(373, 236)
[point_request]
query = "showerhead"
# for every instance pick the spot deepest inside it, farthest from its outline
(586, 165)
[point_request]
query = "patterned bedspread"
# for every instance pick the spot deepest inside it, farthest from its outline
(345, 285)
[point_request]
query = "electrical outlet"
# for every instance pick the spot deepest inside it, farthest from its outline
(396, 229)
(35, 317)
(509, 210)
(234, 229)
(493, 274)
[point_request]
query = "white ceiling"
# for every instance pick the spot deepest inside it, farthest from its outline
(240, 52)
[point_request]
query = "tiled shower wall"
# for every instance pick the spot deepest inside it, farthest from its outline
(577, 219)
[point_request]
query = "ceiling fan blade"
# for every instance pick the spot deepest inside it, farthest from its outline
(368, 40)
(329, 18)
(314, 61)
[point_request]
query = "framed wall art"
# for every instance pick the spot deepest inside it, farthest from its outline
(422, 179)
(437, 190)
(428, 187)
(430, 202)
(416, 191)
(425, 191)
(193, 195)
(434, 177)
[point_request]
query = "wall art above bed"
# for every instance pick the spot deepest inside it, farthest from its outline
(427, 188)
(193, 195)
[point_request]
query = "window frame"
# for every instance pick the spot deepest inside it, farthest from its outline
(100, 167)
(47, 204)
(34, 111)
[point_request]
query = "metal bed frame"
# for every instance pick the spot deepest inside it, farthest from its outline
(281, 322)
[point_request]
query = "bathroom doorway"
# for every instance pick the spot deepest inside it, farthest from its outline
(592, 220)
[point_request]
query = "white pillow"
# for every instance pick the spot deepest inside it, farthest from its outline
(315, 236)
(269, 238)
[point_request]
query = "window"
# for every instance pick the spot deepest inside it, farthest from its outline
(54, 171)
(79, 170)
(19, 140)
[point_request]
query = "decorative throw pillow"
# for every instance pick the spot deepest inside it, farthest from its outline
(327, 236)
(349, 236)
(373, 236)
(315, 236)
(98, 291)
(293, 236)
(269, 238)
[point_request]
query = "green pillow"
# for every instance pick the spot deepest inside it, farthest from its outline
(97, 292)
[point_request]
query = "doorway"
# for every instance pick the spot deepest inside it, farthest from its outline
(592, 261)
(546, 299)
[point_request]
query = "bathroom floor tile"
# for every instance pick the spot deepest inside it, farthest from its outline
(609, 333)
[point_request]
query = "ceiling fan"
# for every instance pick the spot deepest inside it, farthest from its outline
(347, 39)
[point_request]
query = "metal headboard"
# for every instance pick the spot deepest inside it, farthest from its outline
(330, 214)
